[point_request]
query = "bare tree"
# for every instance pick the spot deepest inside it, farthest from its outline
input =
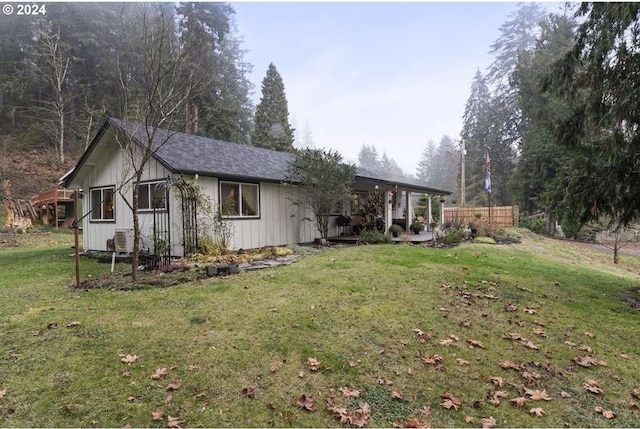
(159, 72)
(54, 70)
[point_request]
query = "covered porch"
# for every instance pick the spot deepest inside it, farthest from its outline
(398, 207)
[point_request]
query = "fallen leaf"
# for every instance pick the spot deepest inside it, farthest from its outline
(174, 422)
(510, 308)
(313, 364)
(530, 310)
(127, 373)
(489, 423)
(454, 337)
(539, 323)
(350, 393)
(160, 373)
(540, 332)
(249, 392)
(168, 400)
(72, 324)
(273, 368)
(175, 385)
(634, 393)
(530, 344)
(462, 362)
(469, 419)
(53, 325)
(570, 343)
(592, 386)
(589, 334)
(306, 403)
(431, 360)
(607, 414)
(301, 374)
(3, 393)
(157, 415)
(507, 364)
(475, 343)
(537, 395)
(128, 358)
(511, 336)
(585, 348)
(351, 363)
(530, 376)
(201, 395)
(131, 399)
(447, 342)
(450, 401)
(500, 394)
(539, 412)
(498, 381)
(564, 394)
(415, 422)
(395, 394)
(520, 402)
(624, 356)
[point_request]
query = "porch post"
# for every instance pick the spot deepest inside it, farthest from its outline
(428, 214)
(409, 211)
(388, 206)
(442, 213)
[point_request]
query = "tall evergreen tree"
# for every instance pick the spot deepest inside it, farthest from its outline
(517, 35)
(477, 129)
(541, 159)
(271, 128)
(368, 157)
(224, 111)
(425, 164)
(446, 164)
(391, 167)
(600, 128)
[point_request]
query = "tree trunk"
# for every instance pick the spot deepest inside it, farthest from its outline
(135, 256)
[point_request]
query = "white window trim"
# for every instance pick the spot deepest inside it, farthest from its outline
(102, 189)
(151, 209)
(240, 185)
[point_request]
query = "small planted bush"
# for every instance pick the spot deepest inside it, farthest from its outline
(374, 237)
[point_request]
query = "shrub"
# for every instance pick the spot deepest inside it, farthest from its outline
(373, 237)
(452, 236)
(396, 229)
(537, 225)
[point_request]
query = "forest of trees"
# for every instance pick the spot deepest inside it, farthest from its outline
(63, 72)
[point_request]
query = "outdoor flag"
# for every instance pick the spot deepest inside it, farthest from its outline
(487, 177)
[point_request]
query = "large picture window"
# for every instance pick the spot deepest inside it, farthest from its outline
(102, 208)
(152, 196)
(239, 199)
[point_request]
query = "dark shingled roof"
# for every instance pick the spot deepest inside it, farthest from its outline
(187, 153)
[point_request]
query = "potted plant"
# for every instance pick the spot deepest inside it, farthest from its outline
(395, 230)
(417, 227)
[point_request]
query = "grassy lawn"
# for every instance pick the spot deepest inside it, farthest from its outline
(399, 324)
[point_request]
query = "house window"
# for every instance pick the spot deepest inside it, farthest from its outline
(239, 199)
(152, 196)
(102, 204)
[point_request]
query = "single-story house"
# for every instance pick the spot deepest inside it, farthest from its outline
(246, 181)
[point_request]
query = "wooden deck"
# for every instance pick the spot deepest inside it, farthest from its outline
(48, 205)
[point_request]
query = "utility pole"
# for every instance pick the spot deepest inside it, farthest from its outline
(462, 179)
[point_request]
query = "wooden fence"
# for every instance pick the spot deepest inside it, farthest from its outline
(500, 216)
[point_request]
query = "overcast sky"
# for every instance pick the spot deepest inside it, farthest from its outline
(392, 75)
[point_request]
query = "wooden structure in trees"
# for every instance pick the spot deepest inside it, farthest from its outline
(500, 215)
(54, 207)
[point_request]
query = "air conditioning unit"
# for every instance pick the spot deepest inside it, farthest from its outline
(123, 240)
